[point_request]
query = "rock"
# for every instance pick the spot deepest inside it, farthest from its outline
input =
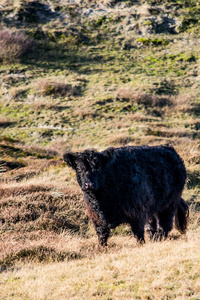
(33, 12)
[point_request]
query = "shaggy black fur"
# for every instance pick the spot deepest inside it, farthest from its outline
(134, 185)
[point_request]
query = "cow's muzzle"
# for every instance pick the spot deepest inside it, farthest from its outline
(89, 186)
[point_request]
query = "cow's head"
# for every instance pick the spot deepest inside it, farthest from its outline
(89, 166)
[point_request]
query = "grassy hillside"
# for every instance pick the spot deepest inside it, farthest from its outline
(75, 75)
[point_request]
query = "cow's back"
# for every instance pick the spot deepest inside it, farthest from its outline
(144, 175)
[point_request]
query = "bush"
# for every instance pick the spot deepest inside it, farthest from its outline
(13, 45)
(56, 89)
(147, 100)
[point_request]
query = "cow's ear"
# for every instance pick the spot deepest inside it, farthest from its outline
(70, 159)
(107, 155)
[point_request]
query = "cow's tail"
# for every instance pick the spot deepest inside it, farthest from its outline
(181, 217)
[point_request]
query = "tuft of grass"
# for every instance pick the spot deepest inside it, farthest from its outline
(154, 41)
(159, 104)
(148, 100)
(56, 89)
(165, 87)
(14, 45)
(38, 208)
(5, 122)
(18, 93)
(37, 254)
(10, 165)
(193, 179)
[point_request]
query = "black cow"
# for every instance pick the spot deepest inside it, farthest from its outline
(135, 185)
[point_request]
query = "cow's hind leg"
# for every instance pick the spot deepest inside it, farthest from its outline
(166, 218)
(152, 228)
(137, 227)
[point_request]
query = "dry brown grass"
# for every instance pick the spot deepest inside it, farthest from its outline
(43, 105)
(167, 105)
(120, 139)
(13, 45)
(48, 247)
(36, 207)
(4, 122)
(22, 169)
(49, 250)
(56, 89)
(84, 114)
(164, 270)
(144, 99)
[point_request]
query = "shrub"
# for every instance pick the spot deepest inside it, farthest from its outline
(148, 100)
(13, 45)
(56, 89)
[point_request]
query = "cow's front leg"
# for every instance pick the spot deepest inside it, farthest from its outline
(103, 234)
(98, 219)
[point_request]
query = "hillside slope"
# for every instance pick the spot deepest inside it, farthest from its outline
(93, 74)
